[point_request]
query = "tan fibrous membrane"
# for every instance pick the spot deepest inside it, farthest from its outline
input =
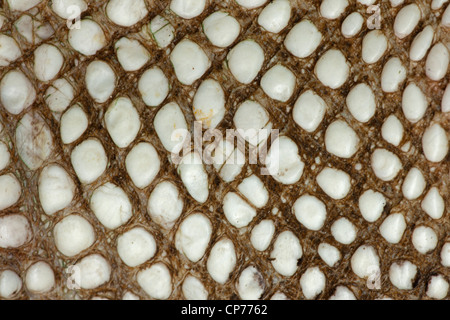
(311, 148)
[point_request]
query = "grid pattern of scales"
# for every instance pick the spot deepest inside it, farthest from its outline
(279, 207)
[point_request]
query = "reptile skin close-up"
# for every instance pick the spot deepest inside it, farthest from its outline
(224, 150)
